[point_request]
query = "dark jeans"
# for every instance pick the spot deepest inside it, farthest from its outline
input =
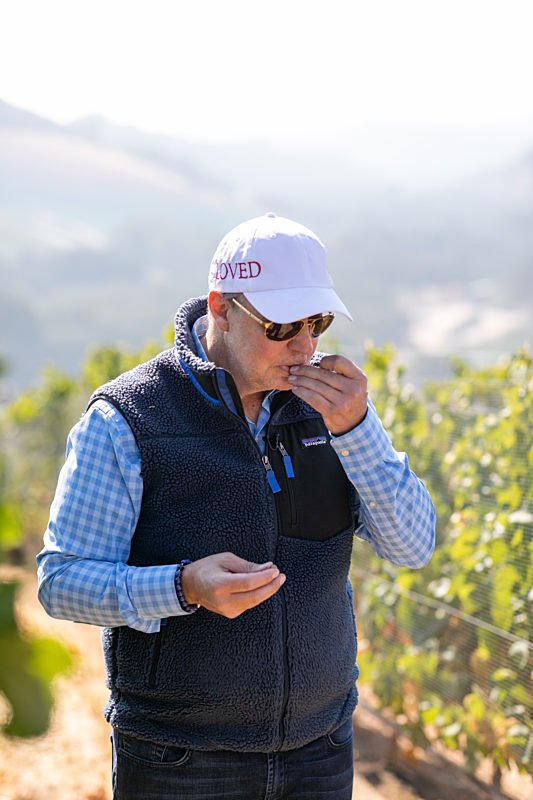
(321, 770)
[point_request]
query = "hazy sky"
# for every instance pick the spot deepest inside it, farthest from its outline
(270, 69)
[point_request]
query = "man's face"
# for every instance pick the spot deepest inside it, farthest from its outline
(257, 363)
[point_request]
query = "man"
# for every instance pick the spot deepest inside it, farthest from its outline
(205, 515)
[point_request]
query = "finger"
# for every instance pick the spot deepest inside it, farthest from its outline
(257, 596)
(342, 365)
(236, 583)
(316, 375)
(315, 400)
(234, 563)
(320, 392)
(350, 384)
(259, 567)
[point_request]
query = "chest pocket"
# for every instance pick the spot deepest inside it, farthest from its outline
(316, 500)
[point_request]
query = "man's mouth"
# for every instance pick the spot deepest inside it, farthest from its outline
(286, 368)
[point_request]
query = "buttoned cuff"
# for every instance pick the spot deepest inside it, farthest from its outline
(365, 446)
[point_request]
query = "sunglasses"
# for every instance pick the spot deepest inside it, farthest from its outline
(283, 331)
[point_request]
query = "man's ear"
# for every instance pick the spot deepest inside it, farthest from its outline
(218, 309)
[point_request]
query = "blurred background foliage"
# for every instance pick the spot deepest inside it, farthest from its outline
(446, 648)
(28, 664)
(33, 431)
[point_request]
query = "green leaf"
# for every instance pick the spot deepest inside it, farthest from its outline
(26, 668)
(505, 579)
(510, 496)
(503, 674)
(475, 706)
(10, 526)
(48, 658)
(7, 606)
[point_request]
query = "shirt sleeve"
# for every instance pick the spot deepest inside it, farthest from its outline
(396, 514)
(82, 568)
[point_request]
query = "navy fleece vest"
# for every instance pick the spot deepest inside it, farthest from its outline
(283, 673)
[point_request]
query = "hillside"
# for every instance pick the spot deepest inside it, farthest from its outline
(105, 229)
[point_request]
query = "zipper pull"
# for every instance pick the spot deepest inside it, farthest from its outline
(271, 476)
(287, 463)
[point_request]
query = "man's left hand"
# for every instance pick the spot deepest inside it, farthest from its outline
(337, 389)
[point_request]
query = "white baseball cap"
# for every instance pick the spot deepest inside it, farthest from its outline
(280, 267)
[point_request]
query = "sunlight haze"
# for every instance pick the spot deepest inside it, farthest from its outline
(280, 71)
(133, 134)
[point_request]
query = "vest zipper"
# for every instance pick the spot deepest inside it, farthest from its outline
(286, 672)
(271, 476)
(275, 443)
(289, 472)
(287, 463)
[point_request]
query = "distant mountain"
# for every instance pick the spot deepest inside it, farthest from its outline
(11, 116)
(167, 152)
(55, 171)
(104, 229)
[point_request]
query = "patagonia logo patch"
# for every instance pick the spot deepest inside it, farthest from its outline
(313, 441)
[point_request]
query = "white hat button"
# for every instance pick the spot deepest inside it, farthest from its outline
(270, 214)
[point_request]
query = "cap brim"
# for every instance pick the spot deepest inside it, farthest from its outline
(288, 305)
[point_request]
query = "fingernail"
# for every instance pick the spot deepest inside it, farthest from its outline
(292, 378)
(294, 369)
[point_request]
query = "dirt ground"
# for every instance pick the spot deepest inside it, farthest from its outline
(72, 760)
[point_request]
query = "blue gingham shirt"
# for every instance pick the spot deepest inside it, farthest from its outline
(82, 568)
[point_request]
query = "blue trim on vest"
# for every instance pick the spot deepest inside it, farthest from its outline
(197, 385)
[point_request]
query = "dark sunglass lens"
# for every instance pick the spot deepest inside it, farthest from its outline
(288, 330)
(281, 331)
(321, 324)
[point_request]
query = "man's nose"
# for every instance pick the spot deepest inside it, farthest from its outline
(304, 342)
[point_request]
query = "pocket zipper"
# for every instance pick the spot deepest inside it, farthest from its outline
(271, 476)
(287, 463)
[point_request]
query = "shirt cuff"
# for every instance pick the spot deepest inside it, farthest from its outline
(366, 445)
(152, 592)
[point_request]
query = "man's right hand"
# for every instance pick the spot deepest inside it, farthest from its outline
(229, 585)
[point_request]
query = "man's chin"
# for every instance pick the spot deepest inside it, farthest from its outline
(278, 378)
(282, 376)
(282, 384)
